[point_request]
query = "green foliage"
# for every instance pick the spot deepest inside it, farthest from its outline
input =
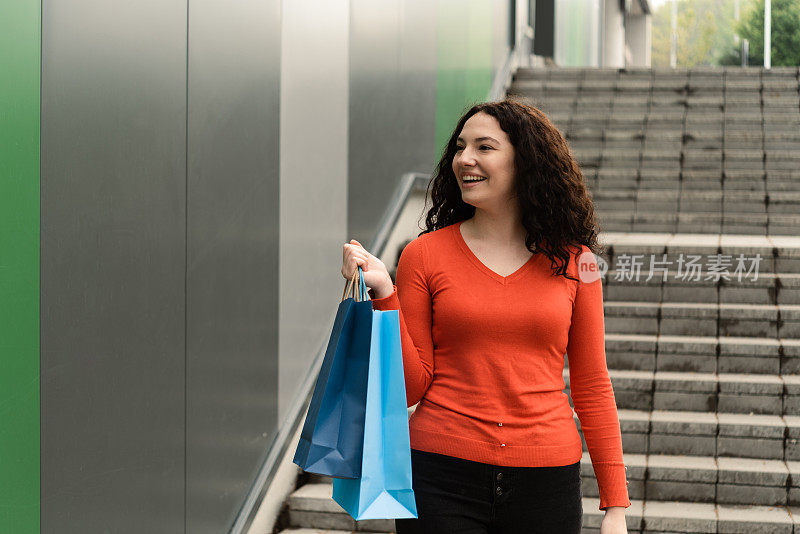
(785, 38)
(706, 31)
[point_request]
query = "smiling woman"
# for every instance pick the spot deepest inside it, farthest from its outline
(485, 323)
(533, 193)
(482, 158)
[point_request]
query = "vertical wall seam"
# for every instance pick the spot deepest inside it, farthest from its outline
(186, 289)
(38, 355)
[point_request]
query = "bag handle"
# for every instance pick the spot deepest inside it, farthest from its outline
(359, 290)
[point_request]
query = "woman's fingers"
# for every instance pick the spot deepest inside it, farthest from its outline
(357, 245)
(349, 261)
(351, 246)
(354, 256)
(356, 251)
(361, 260)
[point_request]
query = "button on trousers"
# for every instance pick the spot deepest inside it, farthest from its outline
(457, 496)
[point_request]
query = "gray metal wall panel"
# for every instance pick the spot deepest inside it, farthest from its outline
(232, 278)
(392, 103)
(112, 266)
(313, 181)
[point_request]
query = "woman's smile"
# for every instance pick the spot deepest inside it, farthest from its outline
(470, 185)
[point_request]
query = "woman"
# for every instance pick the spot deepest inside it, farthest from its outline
(491, 295)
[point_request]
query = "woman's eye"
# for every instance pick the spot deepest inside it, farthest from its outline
(482, 147)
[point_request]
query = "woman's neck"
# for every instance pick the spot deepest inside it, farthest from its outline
(503, 230)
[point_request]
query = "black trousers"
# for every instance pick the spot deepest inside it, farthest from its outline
(457, 496)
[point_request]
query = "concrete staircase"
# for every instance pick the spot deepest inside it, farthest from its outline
(711, 151)
(706, 369)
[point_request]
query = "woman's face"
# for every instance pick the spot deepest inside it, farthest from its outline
(484, 150)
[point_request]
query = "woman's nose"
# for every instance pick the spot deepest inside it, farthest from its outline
(466, 158)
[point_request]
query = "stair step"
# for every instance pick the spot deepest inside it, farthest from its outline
(703, 319)
(703, 354)
(768, 288)
(642, 516)
(311, 506)
(766, 437)
(760, 224)
(704, 479)
(703, 198)
(663, 250)
(705, 392)
(689, 242)
(773, 225)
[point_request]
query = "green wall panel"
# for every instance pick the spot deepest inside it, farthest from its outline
(20, 42)
(464, 61)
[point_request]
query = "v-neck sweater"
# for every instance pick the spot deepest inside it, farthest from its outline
(483, 355)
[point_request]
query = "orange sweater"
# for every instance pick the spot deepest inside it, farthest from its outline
(483, 355)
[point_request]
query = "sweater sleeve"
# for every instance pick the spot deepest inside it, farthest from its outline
(593, 396)
(412, 298)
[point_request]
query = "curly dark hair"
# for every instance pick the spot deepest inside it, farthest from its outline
(556, 206)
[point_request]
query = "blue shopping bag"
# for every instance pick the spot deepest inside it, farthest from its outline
(331, 441)
(384, 489)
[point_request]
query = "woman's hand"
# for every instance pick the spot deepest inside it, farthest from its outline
(375, 275)
(614, 521)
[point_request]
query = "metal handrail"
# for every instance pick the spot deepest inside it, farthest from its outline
(408, 183)
(517, 56)
(504, 76)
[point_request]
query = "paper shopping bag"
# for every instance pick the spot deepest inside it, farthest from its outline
(384, 489)
(331, 441)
